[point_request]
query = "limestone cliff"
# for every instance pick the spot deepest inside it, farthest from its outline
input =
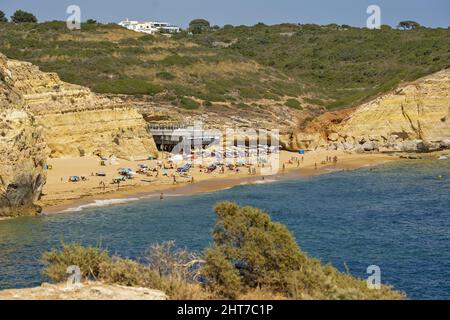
(42, 116)
(85, 291)
(75, 121)
(22, 156)
(414, 117)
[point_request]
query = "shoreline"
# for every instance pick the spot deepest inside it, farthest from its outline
(213, 183)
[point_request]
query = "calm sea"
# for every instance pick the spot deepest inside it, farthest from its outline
(396, 216)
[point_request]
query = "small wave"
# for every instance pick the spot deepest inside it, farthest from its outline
(100, 203)
(264, 181)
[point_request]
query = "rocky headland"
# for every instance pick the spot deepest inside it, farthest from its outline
(412, 118)
(42, 117)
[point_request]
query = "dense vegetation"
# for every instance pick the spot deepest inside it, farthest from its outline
(251, 257)
(21, 16)
(3, 17)
(333, 66)
(341, 65)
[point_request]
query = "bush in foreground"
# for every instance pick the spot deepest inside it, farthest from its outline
(251, 252)
(252, 258)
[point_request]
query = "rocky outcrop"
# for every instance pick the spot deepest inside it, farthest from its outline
(75, 121)
(412, 118)
(260, 114)
(22, 156)
(42, 116)
(84, 291)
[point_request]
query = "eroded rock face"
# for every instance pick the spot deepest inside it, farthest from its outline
(75, 121)
(42, 116)
(411, 117)
(22, 156)
(414, 117)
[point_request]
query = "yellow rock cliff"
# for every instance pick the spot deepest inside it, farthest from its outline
(75, 121)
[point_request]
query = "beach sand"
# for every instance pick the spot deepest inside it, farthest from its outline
(59, 194)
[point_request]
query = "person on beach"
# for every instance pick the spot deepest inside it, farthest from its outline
(102, 185)
(284, 168)
(161, 196)
(315, 165)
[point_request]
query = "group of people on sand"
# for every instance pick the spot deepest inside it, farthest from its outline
(328, 159)
(331, 159)
(297, 161)
(293, 161)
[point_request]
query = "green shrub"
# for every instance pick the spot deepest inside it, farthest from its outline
(188, 103)
(249, 93)
(164, 75)
(293, 103)
(3, 18)
(315, 101)
(128, 86)
(250, 251)
(96, 264)
(23, 17)
(271, 96)
(222, 276)
(129, 273)
(242, 105)
(177, 60)
(88, 259)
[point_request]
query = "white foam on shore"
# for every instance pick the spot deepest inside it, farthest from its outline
(264, 181)
(100, 203)
(258, 182)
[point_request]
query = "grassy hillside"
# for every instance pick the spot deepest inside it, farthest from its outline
(340, 66)
(288, 64)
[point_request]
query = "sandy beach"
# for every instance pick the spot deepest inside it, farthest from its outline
(60, 194)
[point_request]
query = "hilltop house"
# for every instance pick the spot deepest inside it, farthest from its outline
(150, 27)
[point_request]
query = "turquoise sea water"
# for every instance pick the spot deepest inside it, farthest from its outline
(396, 216)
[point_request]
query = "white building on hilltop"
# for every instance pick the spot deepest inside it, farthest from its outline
(150, 27)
